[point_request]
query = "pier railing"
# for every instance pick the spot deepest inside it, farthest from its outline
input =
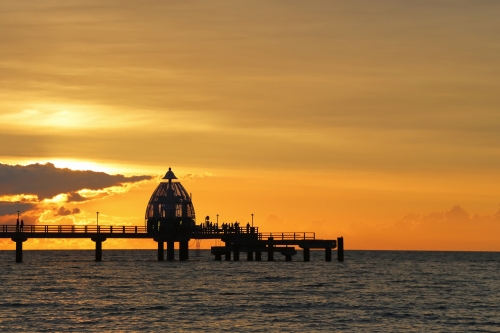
(288, 235)
(75, 229)
(108, 229)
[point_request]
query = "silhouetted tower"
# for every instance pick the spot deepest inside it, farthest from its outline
(170, 210)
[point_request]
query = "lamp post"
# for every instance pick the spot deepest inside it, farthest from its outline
(252, 220)
(98, 219)
(217, 219)
(18, 215)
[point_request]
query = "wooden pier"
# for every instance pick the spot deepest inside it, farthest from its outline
(237, 240)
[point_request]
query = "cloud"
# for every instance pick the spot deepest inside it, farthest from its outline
(37, 190)
(47, 181)
(11, 208)
(191, 176)
(64, 212)
(75, 196)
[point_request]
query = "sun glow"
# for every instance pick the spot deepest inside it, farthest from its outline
(19, 198)
(60, 198)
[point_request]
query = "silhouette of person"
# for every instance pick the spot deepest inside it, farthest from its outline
(17, 225)
(248, 228)
(22, 225)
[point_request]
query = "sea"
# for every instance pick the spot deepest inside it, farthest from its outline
(130, 291)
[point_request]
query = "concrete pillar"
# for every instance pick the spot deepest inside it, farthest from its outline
(170, 250)
(19, 251)
(258, 256)
(228, 255)
(288, 257)
(184, 250)
(307, 254)
(19, 247)
(98, 250)
(249, 256)
(270, 249)
(340, 249)
(98, 247)
(328, 254)
(236, 252)
(160, 250)
(218, 257)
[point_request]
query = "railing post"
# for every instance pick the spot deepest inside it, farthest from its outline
(123, 229)
(135, 229)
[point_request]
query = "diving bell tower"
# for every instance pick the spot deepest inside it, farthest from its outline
(170, 211)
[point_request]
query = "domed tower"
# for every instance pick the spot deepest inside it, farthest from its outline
(170, 209)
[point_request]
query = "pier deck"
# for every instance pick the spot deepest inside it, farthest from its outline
(236, 240)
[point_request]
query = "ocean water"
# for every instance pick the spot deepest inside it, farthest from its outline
(129, 291)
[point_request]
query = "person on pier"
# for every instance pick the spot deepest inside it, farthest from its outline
(22, 225)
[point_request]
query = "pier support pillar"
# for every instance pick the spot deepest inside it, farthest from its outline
(270, 249)
(19, 251)
(258, 256)
(340, 249)
(183, 250)
(218, 257)
(19, 248)
(249, 256)
(170, 250)
(98, 251)
(98, 247)
(288, 257)
(228, 255)
(328, 254)
(307, 254)
(160, 250)
(236, 256)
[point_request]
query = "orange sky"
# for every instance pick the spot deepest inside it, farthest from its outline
(375, 121)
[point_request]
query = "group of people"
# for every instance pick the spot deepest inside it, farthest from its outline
(210, 227)
(19, 226)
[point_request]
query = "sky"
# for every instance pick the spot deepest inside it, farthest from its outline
(375, 121)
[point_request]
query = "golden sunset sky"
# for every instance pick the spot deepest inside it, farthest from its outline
(378, 121)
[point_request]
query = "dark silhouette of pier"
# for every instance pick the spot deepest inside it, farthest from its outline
(249, 241)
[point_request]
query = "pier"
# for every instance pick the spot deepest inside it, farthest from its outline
(170, 218)
(241, 240)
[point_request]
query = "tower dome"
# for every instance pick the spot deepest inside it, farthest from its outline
(170, 207)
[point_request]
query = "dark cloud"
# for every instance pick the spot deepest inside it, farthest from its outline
(64, 212)
(47, 181)
(75, 196)
(11, 208)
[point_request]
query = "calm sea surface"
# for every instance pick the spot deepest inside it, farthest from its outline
(372, 291)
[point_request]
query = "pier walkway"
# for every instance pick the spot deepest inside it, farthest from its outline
(236, 240)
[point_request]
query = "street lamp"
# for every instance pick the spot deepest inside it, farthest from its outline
(252, 220)
(17, 215)
(97, 218)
